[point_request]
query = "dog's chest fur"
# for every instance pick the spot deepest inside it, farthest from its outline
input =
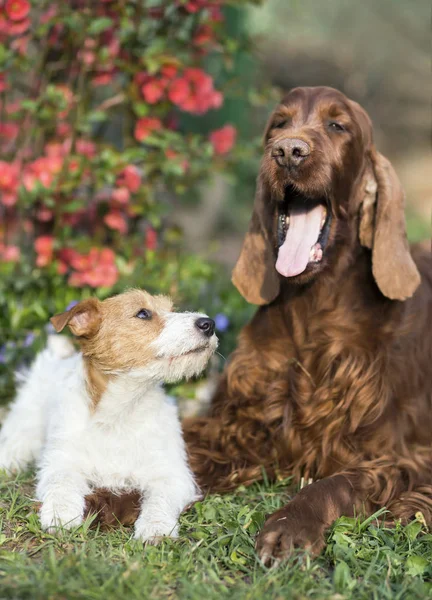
(129, 437)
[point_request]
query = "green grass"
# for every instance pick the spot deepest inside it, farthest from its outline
(214, 558)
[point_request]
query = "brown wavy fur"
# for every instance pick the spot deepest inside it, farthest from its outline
(331, 380)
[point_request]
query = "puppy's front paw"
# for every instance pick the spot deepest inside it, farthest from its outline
(152, 531)
(55, 517)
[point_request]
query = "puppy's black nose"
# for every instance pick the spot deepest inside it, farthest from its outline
(206, 325)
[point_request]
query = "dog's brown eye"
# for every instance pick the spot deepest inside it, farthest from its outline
(279, 125)
(144, 314)
(336, 126)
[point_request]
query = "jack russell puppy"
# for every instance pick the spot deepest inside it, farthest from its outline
(100, 418)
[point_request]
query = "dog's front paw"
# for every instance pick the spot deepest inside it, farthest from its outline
(290, 528)
(54, 517)
(152, 531)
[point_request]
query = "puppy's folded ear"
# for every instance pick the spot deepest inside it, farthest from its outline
(254, 274)
(383, 230)
(83, 319)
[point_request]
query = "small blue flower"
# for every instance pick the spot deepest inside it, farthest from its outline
(222, 322)
(71, 304)
(49, 328)
(29, 339)
(2, 355)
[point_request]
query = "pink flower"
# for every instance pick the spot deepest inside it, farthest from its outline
(3, 84)
(49, 14)
(16, 10)
(121, 195)
(223, 139)
(44, 214)
(86, 148)
(145, 126)
(115, 220)
(130, 178)
(10, 253)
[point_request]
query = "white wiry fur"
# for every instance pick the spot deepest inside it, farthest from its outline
(131, 440)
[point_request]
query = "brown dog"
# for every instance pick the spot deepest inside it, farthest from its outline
(332, 378)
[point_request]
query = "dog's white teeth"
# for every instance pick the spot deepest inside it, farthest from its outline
(287, 220)
(316, 253)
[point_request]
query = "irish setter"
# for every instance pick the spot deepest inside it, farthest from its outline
(331, 380)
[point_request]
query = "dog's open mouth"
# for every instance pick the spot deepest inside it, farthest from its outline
(303, 229)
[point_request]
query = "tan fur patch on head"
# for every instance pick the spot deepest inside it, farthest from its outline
(123, 341)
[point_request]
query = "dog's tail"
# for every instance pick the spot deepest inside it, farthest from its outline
(60, 346)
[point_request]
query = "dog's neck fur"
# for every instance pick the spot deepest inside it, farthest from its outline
(112, 395)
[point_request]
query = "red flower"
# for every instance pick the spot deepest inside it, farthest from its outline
(194, 92)
(44, 249)
(115, 220)
(153, 91)
(18, 28)
(42, 170)
(17, 10)
(103, 78)
(96, 269)
(179, 91)
(145, 126)
(9, 182)
(151, 239)
(169, 71)
(223, 139)
(203, 35)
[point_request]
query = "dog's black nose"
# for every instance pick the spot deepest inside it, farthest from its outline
(290, 151)
(206, 325)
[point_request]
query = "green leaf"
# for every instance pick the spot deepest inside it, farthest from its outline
(416, 565)
(412, 530)
(99, 25)
(342, 577)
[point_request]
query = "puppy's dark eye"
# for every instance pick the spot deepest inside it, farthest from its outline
(144, 314)
(336, 126)
(279, 125)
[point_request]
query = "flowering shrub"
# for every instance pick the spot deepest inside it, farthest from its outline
(94, 98)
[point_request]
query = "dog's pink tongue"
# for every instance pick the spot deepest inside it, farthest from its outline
(302, 234)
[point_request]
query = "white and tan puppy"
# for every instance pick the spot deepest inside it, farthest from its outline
(100, 418)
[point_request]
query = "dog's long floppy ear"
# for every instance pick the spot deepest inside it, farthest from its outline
(383, 230)
(83, 319)
(254, 274)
